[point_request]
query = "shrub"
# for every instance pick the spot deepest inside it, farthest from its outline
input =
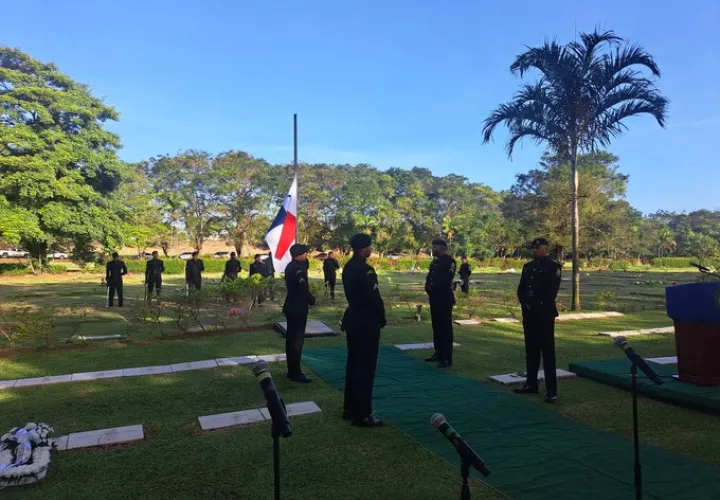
(13, 269)
(678, 262)
(620, 265)
(56, 269)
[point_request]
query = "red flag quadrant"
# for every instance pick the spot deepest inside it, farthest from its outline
(281, 235)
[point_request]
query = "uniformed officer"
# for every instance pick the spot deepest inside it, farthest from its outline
(153, 275)
(114, 272)
(271, 275)
(438, 286)
(193, 272)
(330, 267)
(259, 267)
(363, 319)
(465, 273)
(296, 309)
(232, 268)
(539, 285)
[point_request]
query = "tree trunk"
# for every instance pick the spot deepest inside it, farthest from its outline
(239, 243)
(575, 232)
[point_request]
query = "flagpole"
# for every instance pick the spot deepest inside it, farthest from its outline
(295, 165)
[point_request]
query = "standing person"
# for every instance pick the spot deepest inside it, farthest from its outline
(232, 268)
(438, 286)
(114, 272)
(363, 319)
(193, 272)
(296, 309)
(330, 267)
(538, 288)
(259, 267)
(271, 275)
(153, 275)
(465, 273)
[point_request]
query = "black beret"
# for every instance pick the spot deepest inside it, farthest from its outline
(439, 243)
(298, 249)
(360, 241)
(538, 241)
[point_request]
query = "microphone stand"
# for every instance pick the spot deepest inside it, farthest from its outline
(465, 474)
(636, 435)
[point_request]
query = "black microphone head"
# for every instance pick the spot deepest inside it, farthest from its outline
(619, 341)
(437, 420)
(260, 367)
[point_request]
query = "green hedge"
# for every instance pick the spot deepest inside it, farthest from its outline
(177, 266)
(9, 269)
(680, 262)
(620, 265)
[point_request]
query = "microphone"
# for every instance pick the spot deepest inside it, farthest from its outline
(467, 454)
(275, 405)
(699, 267)
(637, 360)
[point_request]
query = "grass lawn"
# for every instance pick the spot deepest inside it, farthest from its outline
(326, 458)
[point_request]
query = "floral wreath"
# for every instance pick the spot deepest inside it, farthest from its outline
(25, 454)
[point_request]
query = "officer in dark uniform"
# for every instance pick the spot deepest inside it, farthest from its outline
(259, 267)
(465, 273)
(363, 319)
(438, 286)
(330, 267)
(193, 272)
(153, 275)
(296, 310)
(271, 275)
(232, 268)
(539, 285)
(114, 272)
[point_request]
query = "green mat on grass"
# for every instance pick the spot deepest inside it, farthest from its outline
(533, 452)
(616, 372)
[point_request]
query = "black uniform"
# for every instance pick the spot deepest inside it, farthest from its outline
(114, 271)
(271, 275)
(539, 285)
(193, 273)
(296, 311)
(330, 267)
(465, 273)
(438, 286)
(261, 269)
(363, 319)
(232, 269)
(153, 276)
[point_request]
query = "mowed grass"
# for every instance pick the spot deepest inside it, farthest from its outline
(325, 458)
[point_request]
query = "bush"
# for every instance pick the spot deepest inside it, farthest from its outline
(620, 265)
(13, 269)
(678, 262)
(177, 266)
(56, 269)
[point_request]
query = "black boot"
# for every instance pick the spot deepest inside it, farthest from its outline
(526, 389)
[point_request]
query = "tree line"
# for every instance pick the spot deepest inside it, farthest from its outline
(63, 185)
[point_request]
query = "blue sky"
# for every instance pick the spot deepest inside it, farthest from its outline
(390, 83)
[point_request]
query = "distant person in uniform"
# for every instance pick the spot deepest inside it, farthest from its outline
(232, 268)
(296, 308)
(259, 267)
(363, 319)
(114, 272)
(153, 275)
(438, 285)
(271, 275)
(193, 272)
(330, 267)
(465, 273)
(539, 285)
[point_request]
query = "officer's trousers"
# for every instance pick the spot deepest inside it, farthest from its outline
(539, 330)
(112, 289)
(465, 286)
(154, 283)
(441, 316)
(363, 341)
(330, 280)
(294, 341)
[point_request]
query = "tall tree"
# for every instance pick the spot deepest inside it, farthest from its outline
(183, 184)
(585, 91)
(58, 164)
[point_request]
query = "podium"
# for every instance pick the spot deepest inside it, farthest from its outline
(695, 310)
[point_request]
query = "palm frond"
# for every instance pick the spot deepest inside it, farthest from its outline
(632, 55)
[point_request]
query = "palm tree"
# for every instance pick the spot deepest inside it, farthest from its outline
(586, 90)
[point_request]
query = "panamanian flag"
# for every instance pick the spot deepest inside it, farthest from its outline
(281, 235)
